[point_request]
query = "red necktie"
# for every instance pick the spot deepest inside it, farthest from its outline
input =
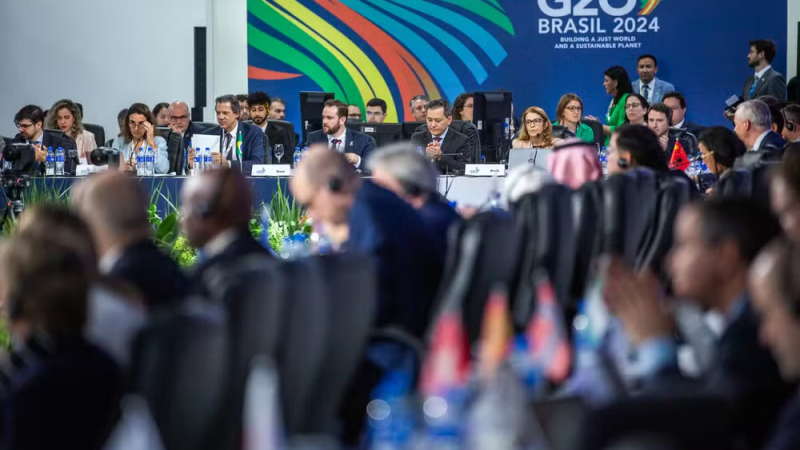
(438, 140)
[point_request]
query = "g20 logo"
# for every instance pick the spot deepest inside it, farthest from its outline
(589, 17)
(583, 8)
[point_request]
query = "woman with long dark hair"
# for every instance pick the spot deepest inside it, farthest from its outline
(618, 85)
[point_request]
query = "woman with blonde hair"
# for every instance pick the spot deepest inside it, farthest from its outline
(66, 116)
(536, 132)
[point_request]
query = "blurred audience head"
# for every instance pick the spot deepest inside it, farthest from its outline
(325, 184)
(524, 180)
(633, 146)
(114, 207)
(715, 243)
(258, 102)
(617, 82)
(138, 114)
(569, 110)
(65, 115)
(659, 119)
(400, 169)
(244, 107)
(418, 105)
(179, 117)
(575, 162)
(45, 222)
(775, 107)
(161, 112)
(677, 103)
(719, 147)
(228, 111)
(29, 121)
(791, 119)
(376, 110)
(785, 194)
(439, 116)
(463, 107)
(213, 203)
(636, 109)
(122, 121)
(354, 113)
(775, 288)
(752, 119)
(277, 109)
(536, 128)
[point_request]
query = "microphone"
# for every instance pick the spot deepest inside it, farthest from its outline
(733, 102)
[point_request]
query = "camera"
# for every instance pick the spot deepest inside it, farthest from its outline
(105, 155)
(21, 156)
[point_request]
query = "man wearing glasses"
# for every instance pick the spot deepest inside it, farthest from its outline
(30, 123)
(180, 122)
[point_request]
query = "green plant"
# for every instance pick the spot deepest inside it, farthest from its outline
(286, 218)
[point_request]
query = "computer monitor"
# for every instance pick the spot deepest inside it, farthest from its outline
(311, 106)
(409, 128)
(384, 133)
(492, 116)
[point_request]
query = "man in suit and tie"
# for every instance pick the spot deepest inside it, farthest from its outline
(775, 285)
(115, 208)
(766, 81)
(446, 147)
(260, 113)
(30, 122)
(216, 209)
(677, 103)
(228, 110)
(180, 122)
(355, 146)
(753, 125)
(648, 86)
(716, 242)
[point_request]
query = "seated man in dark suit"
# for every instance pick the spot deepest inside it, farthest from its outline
(448, 148)
(413, 178)
(775, 284)
(753, 125)
(115, 208)
(715, 244)
(677, 103)
(216, 208)
(356, 147)
(259, 111)
(30, 122)
(61, 392)
(659, 119)
(230, 127)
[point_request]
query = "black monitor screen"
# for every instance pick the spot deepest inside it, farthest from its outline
(311, 106)
(491, 113)
(383, 133)
(409, 128)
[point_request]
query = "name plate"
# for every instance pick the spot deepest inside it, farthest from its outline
(83, 170)
(485, 170)
(271, 170)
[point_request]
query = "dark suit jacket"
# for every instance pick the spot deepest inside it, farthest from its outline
(786, 435)
(252, 146)
(154, 274)
(456, 150)
(772, 142)
(66, 400)
(793, 90)
(408, 267)
(359, 143)
(773, 83)
(438, 217)
(280, 135)
(244, 245)
(54, 141)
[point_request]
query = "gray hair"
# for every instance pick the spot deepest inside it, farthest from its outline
(757, 112)
(403, 162)
(524, 180)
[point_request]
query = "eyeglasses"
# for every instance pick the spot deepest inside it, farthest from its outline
(706, 155)
(633, 105)
(574, 108)
(177, 118)
(24, 126)
(534, 122)
(136, 124)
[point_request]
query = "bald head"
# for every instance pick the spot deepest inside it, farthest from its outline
(114, 206)
(313, 186)
(179, 116)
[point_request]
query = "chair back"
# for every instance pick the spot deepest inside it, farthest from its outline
(597, 129)
(629, 206)
(587, 203)
(469, 130)
(202, 127)
(289, 127)
(180, 367)
(97, 130)
(562, 132)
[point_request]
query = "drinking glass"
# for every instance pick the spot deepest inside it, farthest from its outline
(278, 152)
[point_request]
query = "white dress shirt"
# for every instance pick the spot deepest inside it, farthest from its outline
(340, 147)
(760, 73)
(232, 146)
(679, 125)
(760, 140)
(433, 138)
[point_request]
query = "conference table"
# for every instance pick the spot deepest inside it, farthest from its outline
(164, 191)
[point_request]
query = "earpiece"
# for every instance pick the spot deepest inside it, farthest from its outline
(623, 163)
(791, 126)
(335, 184)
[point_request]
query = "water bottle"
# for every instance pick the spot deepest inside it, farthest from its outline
(50, 164)
(507, 128)
(60, 162)
(149, 162)
(389, 422)
(421, 151)
(495, 418)
(297, 156)
(305, 150)
(444, 417)
(604, 160)
(198, 161)
(207, 164)
(140, 163)
(294, 247)
(186, 156)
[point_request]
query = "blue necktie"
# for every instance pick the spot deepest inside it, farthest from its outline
(753, 87)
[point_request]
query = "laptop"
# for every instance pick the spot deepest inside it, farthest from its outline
(538, 157)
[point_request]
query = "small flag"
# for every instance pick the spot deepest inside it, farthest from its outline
(496, 334)
(679, 160)
(547, 337)
(447, 363)
(239, 146)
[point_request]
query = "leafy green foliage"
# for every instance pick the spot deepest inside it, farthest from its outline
(286, 218)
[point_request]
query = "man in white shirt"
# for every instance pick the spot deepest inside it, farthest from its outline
(753, 125)
(648, 86)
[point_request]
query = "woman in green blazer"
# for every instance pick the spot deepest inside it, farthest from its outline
(618, 85)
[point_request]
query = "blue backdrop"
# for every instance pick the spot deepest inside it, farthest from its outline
(538, 49)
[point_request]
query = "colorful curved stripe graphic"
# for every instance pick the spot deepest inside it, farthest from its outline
(648, 6)
(389, 49)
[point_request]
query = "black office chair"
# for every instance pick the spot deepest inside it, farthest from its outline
(628, 208)
(180, 367)
(289, 130)
(409, 128)
(597, 129)
(587, 202)
(469, 130)
(202, 127)
(562, 132)
(98, 131)
(174, 152)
